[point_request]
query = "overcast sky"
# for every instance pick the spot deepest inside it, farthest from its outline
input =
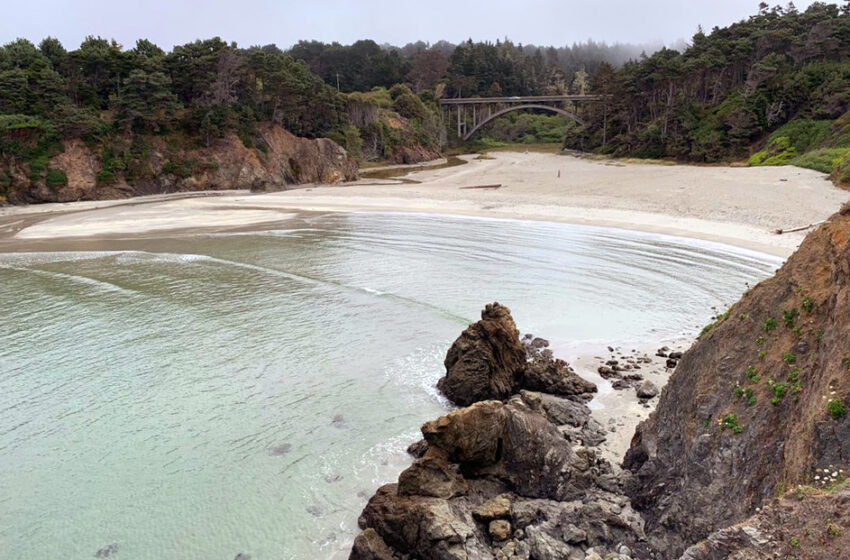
(284, 22)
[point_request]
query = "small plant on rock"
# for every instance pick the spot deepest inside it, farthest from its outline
(808, 304)
(769, 325)
(836, 409)
(752, 375)
(789, 317)
(730, 422)
(795, 542)
(832, 530)
(779, 390)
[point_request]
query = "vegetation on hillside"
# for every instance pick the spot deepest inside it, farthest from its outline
(782, 74)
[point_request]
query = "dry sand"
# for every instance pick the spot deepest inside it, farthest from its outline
(738, 206)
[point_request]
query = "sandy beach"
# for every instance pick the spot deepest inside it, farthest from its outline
(737, 206)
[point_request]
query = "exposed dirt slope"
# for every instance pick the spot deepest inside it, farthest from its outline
(756, 405)
(805, 527)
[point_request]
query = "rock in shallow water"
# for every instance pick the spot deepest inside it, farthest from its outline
(486, 361)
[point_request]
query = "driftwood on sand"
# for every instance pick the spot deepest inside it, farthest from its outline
(483, 187)
(780, 231)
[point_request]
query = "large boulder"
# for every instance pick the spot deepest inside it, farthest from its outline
(556, 377)
(487, 360)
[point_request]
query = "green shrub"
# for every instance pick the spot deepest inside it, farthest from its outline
(779, 151)
(779, 390)
(789, 358)
(769, 325)
(730, 422)
(105, 177)
(824, 160)
(836, 409)
(789, 317)
(808, 304)
(752, 375)
(56, 178)
(180, 168)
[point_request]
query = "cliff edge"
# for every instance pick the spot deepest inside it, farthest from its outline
(757, 406)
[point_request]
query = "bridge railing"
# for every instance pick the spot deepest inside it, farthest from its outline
(518, 99)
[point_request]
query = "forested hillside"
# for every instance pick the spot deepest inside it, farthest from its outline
(773, 89)
(782, 74)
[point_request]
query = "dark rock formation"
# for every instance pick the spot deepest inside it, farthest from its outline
(647, 390)
(514, 478)
(486, 361)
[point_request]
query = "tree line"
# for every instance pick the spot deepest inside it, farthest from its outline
(729, 89)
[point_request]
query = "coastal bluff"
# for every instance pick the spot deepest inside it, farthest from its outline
(745, 457)
(276, 160)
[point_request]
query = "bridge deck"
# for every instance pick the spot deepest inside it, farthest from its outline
(517, 99)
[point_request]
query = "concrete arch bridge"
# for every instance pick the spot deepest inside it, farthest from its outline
(473, 113)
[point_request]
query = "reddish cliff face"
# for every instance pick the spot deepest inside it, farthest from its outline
(226, 164)
(756, 406)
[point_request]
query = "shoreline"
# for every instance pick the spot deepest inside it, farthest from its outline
(741, 207)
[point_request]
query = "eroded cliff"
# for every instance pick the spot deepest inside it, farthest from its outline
(276, 159)
(756, 406)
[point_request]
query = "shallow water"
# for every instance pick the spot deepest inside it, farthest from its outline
(207, 395)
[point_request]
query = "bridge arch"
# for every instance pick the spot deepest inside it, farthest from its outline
(498, 114)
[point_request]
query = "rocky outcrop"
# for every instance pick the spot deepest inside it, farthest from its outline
(806, 524)
(757, 404)
(226, 164)
(486, 361)
(515, 477)
(489, 361)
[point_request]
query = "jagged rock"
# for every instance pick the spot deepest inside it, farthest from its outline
(647, 390)
(497, 508)
(418, 449)
(499, 530)
(555, 377)
(433, 476)
(487, 360)
(516, 466)
(370, 546)
(510, 441)
(574, 535)
(547, 547)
